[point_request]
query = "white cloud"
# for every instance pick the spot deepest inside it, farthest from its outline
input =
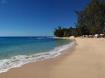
(3, 1)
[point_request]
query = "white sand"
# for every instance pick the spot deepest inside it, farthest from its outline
(86, 61)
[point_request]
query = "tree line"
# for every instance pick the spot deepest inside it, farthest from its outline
(90, 21)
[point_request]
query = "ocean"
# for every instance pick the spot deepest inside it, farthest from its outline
(17, 51)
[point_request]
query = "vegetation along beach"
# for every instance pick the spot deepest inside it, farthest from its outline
(52, 39)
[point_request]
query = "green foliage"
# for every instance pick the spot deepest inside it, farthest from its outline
(90, 21)
(64, 32)
(92, 18)
(59, 32)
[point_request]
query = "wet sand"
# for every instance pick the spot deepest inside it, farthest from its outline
(87, 60)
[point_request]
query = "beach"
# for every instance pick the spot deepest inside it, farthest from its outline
(85, 60)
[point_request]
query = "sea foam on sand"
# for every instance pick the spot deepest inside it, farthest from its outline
(18, 61)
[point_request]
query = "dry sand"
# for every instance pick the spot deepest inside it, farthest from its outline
(86, 61)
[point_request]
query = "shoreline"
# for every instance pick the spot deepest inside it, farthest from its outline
(38, 66)
(48, 61)
(85, 61)
(21, 60)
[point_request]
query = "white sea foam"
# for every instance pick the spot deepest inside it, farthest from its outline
(18, 61)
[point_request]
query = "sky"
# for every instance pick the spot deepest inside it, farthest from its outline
(37, 17)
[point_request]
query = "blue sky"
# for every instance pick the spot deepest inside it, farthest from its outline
(37, 17)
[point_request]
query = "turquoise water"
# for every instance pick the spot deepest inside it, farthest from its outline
(17, 51)
(13, 46)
